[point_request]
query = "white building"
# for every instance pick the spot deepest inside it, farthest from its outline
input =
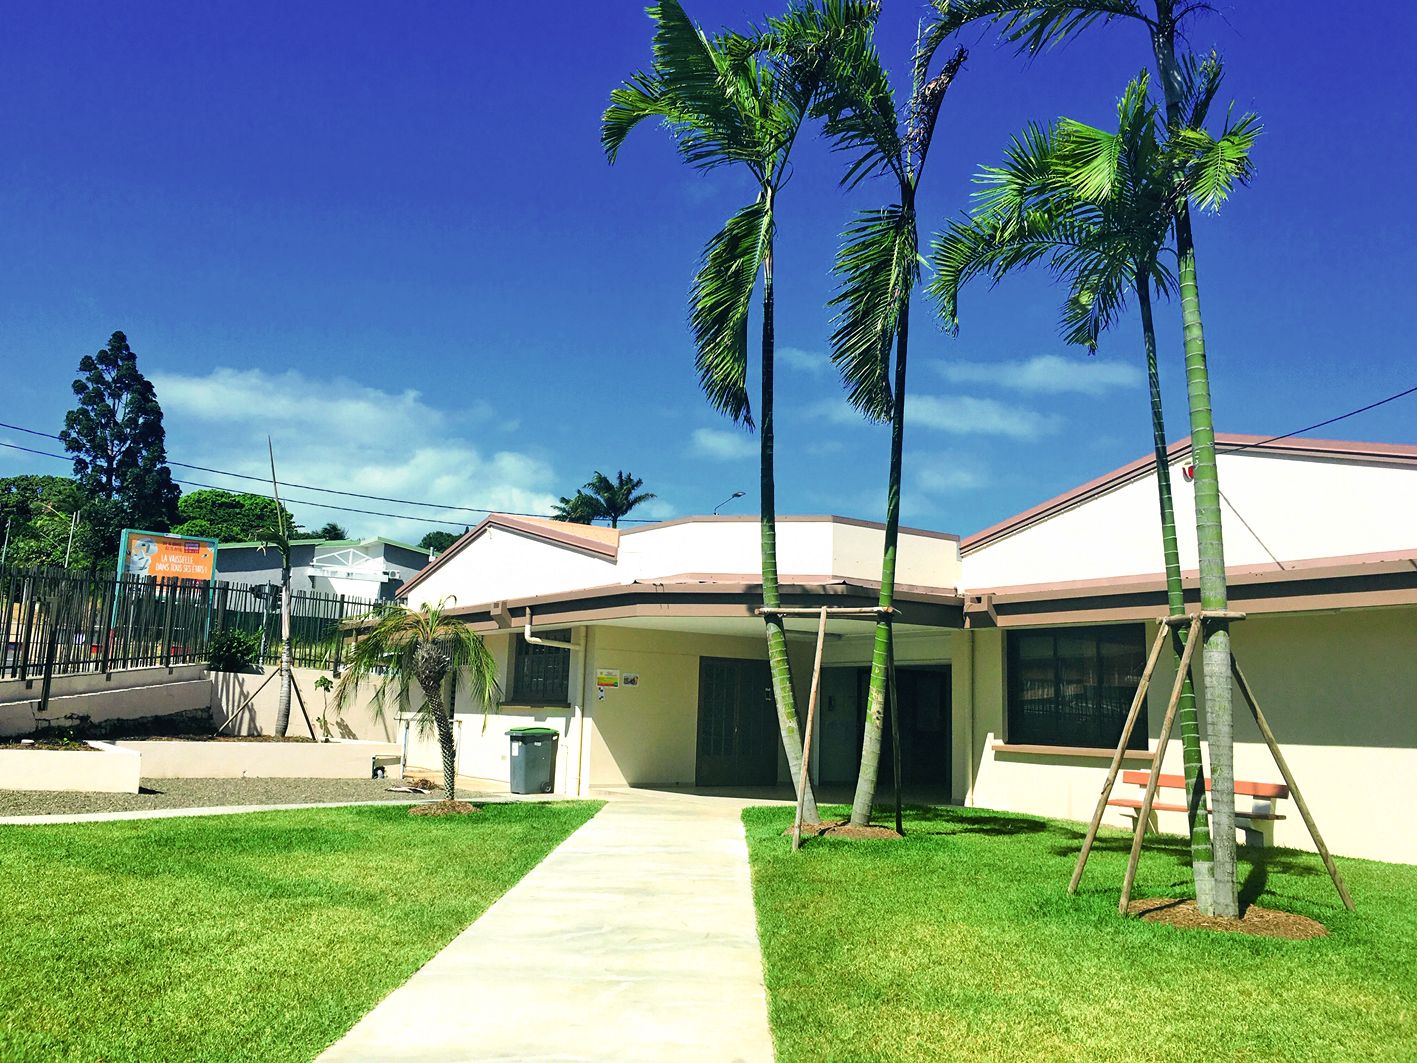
(1019, 648)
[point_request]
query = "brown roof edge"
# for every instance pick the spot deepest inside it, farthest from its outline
(1308, 569)
(534, 529)
(648, 591)
(830, 518)
(1390, 453)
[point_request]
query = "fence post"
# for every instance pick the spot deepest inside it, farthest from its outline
(339, 635)
(167, 623)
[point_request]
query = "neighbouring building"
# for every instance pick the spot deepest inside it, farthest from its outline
(1019, 647)
(357, 568)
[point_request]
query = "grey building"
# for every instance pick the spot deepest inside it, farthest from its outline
(358, 568)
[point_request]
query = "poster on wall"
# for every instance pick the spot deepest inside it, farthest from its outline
(607, 677)
(144, 553)
(630, 679)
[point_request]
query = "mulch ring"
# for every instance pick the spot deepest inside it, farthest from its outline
(1261, 922)
(842, 828)
(444, 808)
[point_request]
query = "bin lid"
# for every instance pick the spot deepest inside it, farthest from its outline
(533, 732)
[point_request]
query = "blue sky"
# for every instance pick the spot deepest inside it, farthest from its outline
(386, 235)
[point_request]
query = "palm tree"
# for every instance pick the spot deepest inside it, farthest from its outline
(1103, 227)
(726, 102)
(615, 498)
(580, 508)
(1035, 27)
(279, 537)
(877, 271)
(406, 647)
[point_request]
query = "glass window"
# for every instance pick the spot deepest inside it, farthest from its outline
(1073, 686)
(541, 675)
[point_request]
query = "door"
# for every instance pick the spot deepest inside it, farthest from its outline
(737, 743)
(925, 700)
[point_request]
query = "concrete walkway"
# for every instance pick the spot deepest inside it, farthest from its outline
(635, 940)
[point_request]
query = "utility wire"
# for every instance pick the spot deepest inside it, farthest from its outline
(1321, 424)
(310, 487)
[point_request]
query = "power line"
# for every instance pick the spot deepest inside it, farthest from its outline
(311, 487)
(1320, 424)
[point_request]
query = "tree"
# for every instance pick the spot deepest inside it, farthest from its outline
(228, 516)
(580, 508)
(877, 271)
(1037, 27)
(603, 499)
(727, 104)
(329, 531)
(1098, 208)
(38, 525)
(407, 647)
(117, 439)
(435, 542)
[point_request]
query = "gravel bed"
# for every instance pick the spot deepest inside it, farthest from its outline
(200, 793)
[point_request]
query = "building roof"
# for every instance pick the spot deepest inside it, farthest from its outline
(328, 542)
(1226, 443)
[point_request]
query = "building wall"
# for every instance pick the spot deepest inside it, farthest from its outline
(1296, 508)
(1339, 691)
(503, 564)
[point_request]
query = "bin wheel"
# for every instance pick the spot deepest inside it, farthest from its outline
(379, 773)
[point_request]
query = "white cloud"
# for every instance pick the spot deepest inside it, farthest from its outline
(809, 362)
(353, 437)
(950, 475)
(718, 444)
(966, 415)
(1049, 374)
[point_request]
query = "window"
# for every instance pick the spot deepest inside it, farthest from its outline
(1073, 686)
(541, 675)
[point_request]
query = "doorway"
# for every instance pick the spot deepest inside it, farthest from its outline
(925, 748)
(737, 739)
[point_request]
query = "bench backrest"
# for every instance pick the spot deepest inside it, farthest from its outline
(1270, 790)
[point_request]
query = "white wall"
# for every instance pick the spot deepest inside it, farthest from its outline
(503, 564)
(1299, 507)
(1339, 691)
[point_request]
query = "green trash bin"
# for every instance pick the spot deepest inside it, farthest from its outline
(533, 759)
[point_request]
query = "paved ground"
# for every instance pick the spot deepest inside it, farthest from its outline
(634, 942)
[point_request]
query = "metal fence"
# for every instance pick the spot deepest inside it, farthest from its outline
(58, 622)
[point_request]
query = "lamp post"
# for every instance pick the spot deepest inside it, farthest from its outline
(730, 498)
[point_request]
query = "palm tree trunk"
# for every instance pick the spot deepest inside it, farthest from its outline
(1201, 869)
(283, 706)
(1215, 654)
(881, 652)
(432, 686)
(778, 663)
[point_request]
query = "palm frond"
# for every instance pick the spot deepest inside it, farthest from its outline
(721, 298)
(1216, 164)
(1030, 27)
(877, 269)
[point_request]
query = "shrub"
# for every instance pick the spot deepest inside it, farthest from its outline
(233, 651)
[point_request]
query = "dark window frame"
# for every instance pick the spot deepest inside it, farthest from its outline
(541, 675)
(1076, 705)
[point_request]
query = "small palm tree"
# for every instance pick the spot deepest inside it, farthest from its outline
(1098, 207)
(615, 498)
(422, 647)
(580, 508)
(727, 103)
(1034, 27)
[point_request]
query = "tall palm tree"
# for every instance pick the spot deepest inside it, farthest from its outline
(615, 498)
(1037, 26)
(726, 102)
(422, 647)
(877, 271)
(580, 508)
(1103, 227)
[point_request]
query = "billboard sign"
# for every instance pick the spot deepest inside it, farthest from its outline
(144, 553)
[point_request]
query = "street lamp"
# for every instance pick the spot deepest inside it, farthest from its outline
(730, 498)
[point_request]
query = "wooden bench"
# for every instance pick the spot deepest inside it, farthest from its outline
(1258, 816)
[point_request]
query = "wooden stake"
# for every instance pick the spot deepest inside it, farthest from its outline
(1283, 766)
(807, 737)
(895, 726)
(1132, 713)
(301, 702)
(835, 610)
(1144, 813)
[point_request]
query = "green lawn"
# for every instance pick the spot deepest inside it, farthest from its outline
(247, 937)
(960, 942)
